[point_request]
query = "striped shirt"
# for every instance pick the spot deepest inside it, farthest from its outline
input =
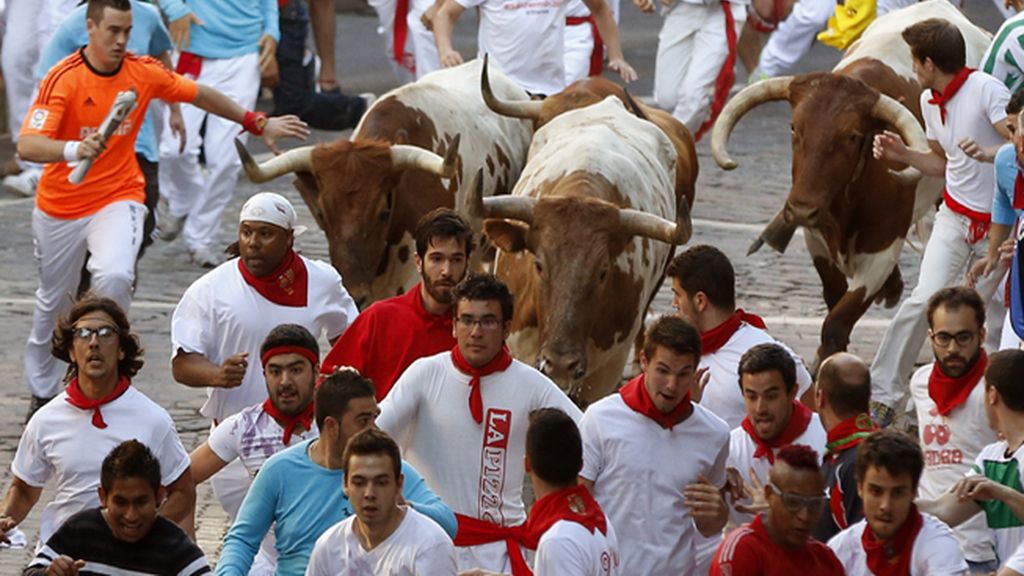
(1004, 58)
(86, 536)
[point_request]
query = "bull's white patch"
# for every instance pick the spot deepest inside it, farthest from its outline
(38, 119)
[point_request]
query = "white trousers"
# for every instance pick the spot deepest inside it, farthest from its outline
(423, 47)
(691, 50)
(112, 236)
(579, 45)
(386, 16)
(190, 191)
(947, 257)
(794, 37)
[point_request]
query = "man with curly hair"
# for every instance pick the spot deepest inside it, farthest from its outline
(67, 439)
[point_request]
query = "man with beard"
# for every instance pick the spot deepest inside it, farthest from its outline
(224, 316)
(950, 402)
(894, 538)
(392, 333)
(290, 357)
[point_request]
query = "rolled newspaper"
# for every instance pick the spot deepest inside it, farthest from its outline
(123, 104)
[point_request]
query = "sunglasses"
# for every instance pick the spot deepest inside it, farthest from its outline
(795, 502)
(85, 334)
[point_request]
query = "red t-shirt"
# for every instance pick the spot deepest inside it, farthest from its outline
(388, 336)
(749, 551)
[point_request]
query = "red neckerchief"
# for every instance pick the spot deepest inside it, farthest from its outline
(799, 418)
(597, 54)
(892, 557)
(712, 340)
(952, 88)
(947, 392)
(189, 64)
(848, 434)
(726, 76)
(574, 504)
(1018, 190)
(497, 364)
(289, 423)
(980, 221)
(401, 32)
(79, 400)
(635, 395)
(286, 286)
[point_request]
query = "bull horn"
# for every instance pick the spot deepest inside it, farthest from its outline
(511, 207)
(633, 106)
(528, 109)
(748, 98)
(295, 160)
(899, 117)
(647, 225)
(405, 157)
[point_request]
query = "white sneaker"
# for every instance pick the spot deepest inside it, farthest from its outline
(167, 226)
(205, 258)
(23, 184)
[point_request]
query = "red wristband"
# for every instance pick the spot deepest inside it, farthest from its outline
(254, 122)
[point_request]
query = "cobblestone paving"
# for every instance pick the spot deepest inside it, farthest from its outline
(778, 286)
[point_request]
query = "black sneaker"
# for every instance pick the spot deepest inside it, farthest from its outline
(35, 404)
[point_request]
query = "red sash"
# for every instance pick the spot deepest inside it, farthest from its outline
(573, 504)
(497, 364)
(1018, 190)
(79, 400)
(892, 557)
(597, 54)
(980, 221)
(712, 340)
(401, 33)
(286, 286)
(948, 393)
(189, 64)
(799, 418)
(726, 76)
(289, 423)
(952, 88)
(635, 395)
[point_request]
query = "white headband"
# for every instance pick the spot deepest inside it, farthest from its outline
(273, 209)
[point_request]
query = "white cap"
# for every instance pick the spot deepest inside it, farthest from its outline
(273, 209)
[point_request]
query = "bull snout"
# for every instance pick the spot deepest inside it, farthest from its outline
(562, 365)
(801, 214)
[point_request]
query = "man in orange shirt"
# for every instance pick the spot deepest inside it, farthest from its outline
(105, 213)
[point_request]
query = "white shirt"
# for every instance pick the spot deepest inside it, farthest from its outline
(722, 394)
(935, 553)
(980, 103)
(569, 549)
(477, 469)
(252, 436)
(640, 470)
(418, 547)
(1016, 562)
(950, 444)
(741, 456)
(995, 464)
(524, 38)
(60, 442)
(220, 315)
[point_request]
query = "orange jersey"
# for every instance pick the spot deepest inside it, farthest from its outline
(73, 101)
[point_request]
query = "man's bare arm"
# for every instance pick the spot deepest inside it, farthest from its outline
(180, 505)
(444, 24)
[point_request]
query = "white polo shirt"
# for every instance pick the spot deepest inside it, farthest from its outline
(417, 546)
(477, 469)
(980, 103)
(936, 551)
(220, 315)
(640, 471)
(950, 444)
(60, 442)
(569, 549)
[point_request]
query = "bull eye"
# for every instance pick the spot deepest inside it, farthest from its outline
(538, 266)
(604, 274)
(385, 215)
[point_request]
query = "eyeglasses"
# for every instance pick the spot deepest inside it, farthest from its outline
(795, 502)
(85, 334)
(487, 322)
(943, 339)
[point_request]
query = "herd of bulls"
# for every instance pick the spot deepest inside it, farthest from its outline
(585, 194)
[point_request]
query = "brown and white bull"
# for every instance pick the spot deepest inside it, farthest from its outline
(855, 210)
(583, 242)
(368, 205)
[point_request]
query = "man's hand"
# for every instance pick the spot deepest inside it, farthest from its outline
(181, 30)
(6, 525)
(625, 71)
(177, 123)
(270, 76)
(644, 5)
(734, 484)
(700, 383)
(451, 59)
(268, 47)
(978, 488)
(1017, 5)
(704, 500)
(755, 491)
(973, 150)
(232, 371)
(979, 270)
(284, 127)
(889, 146)
(64, 566)
(91, 146)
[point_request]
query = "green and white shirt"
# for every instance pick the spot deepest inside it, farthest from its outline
(998, 466)
(1004, 58)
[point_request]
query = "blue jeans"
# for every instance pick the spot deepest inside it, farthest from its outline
(296, 93)
(986, 568)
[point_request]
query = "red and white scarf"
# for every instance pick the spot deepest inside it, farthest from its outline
(497, 364)
(940, 99)
(635, 395)
(799, 419)
(892, 557)
(712, 340)
(285, 286)
(79, 400)
(947, 392)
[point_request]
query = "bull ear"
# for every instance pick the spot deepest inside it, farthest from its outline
(508, 236)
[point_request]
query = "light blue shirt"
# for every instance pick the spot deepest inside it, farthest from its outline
(304, 499)
(1006, 175)
(149, 36)
(231, 28)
